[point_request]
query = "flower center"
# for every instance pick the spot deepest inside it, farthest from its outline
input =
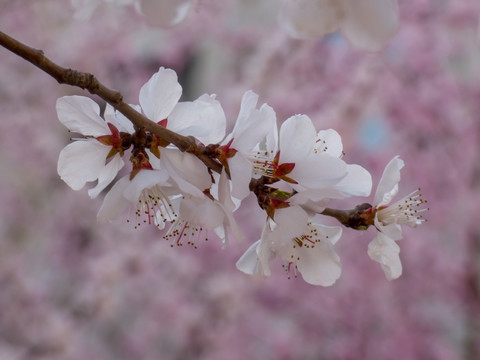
(182, 232)
(298, 245)
(407, 211)
(154, 206)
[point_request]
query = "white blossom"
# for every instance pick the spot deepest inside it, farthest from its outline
(389, 218)
(96, 156)
(302, 245)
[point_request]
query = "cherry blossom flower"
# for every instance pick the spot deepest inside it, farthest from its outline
(150, 192)
(84, 160)
(389, 218)
(302, 245)
(356, 182)
(212, 211)
(368, 24)
(309, 162)
(203, 118)
(251, 127)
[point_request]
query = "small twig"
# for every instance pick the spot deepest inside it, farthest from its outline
(90, 83)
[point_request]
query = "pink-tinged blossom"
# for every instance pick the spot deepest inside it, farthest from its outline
(301, 244)
(98, 156)
(389, 218)
(368, 24)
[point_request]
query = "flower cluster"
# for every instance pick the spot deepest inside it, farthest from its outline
(293, 171)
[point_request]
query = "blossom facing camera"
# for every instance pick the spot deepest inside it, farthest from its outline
(303, 246)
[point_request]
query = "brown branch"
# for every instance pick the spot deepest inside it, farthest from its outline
(359, 218)
(89, 82)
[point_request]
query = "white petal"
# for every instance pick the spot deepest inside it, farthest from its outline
(330, 142)
(145, 179)
(81, 115)
(106, 175)
(254, 129)
(297, 139)
(82, 161)
(201, 211)
(203, 118)
(309, 18)
(385, 251)
(291, 222)
(358, 182)
(165, 13)
(388, 185)
(114, 202)
(318, 171)
(264, 252)
(368, 24)
(241, 172)
(320, 264)
(160, 94)
(228, 206)
(393, 231)
(118, 119)
(248, 262)
(190, 173)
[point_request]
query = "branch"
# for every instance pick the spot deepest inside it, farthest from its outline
(89, 82)
(358, 218)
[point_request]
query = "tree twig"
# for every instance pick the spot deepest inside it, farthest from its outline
(90, 83)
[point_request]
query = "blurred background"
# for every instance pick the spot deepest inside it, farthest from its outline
(72, 289)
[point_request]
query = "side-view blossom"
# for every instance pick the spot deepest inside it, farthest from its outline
(303, 246)
(251, 127)
(367, 24)
(389, 218)
(97, 156)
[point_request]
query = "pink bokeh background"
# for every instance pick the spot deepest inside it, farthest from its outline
(72, 289)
